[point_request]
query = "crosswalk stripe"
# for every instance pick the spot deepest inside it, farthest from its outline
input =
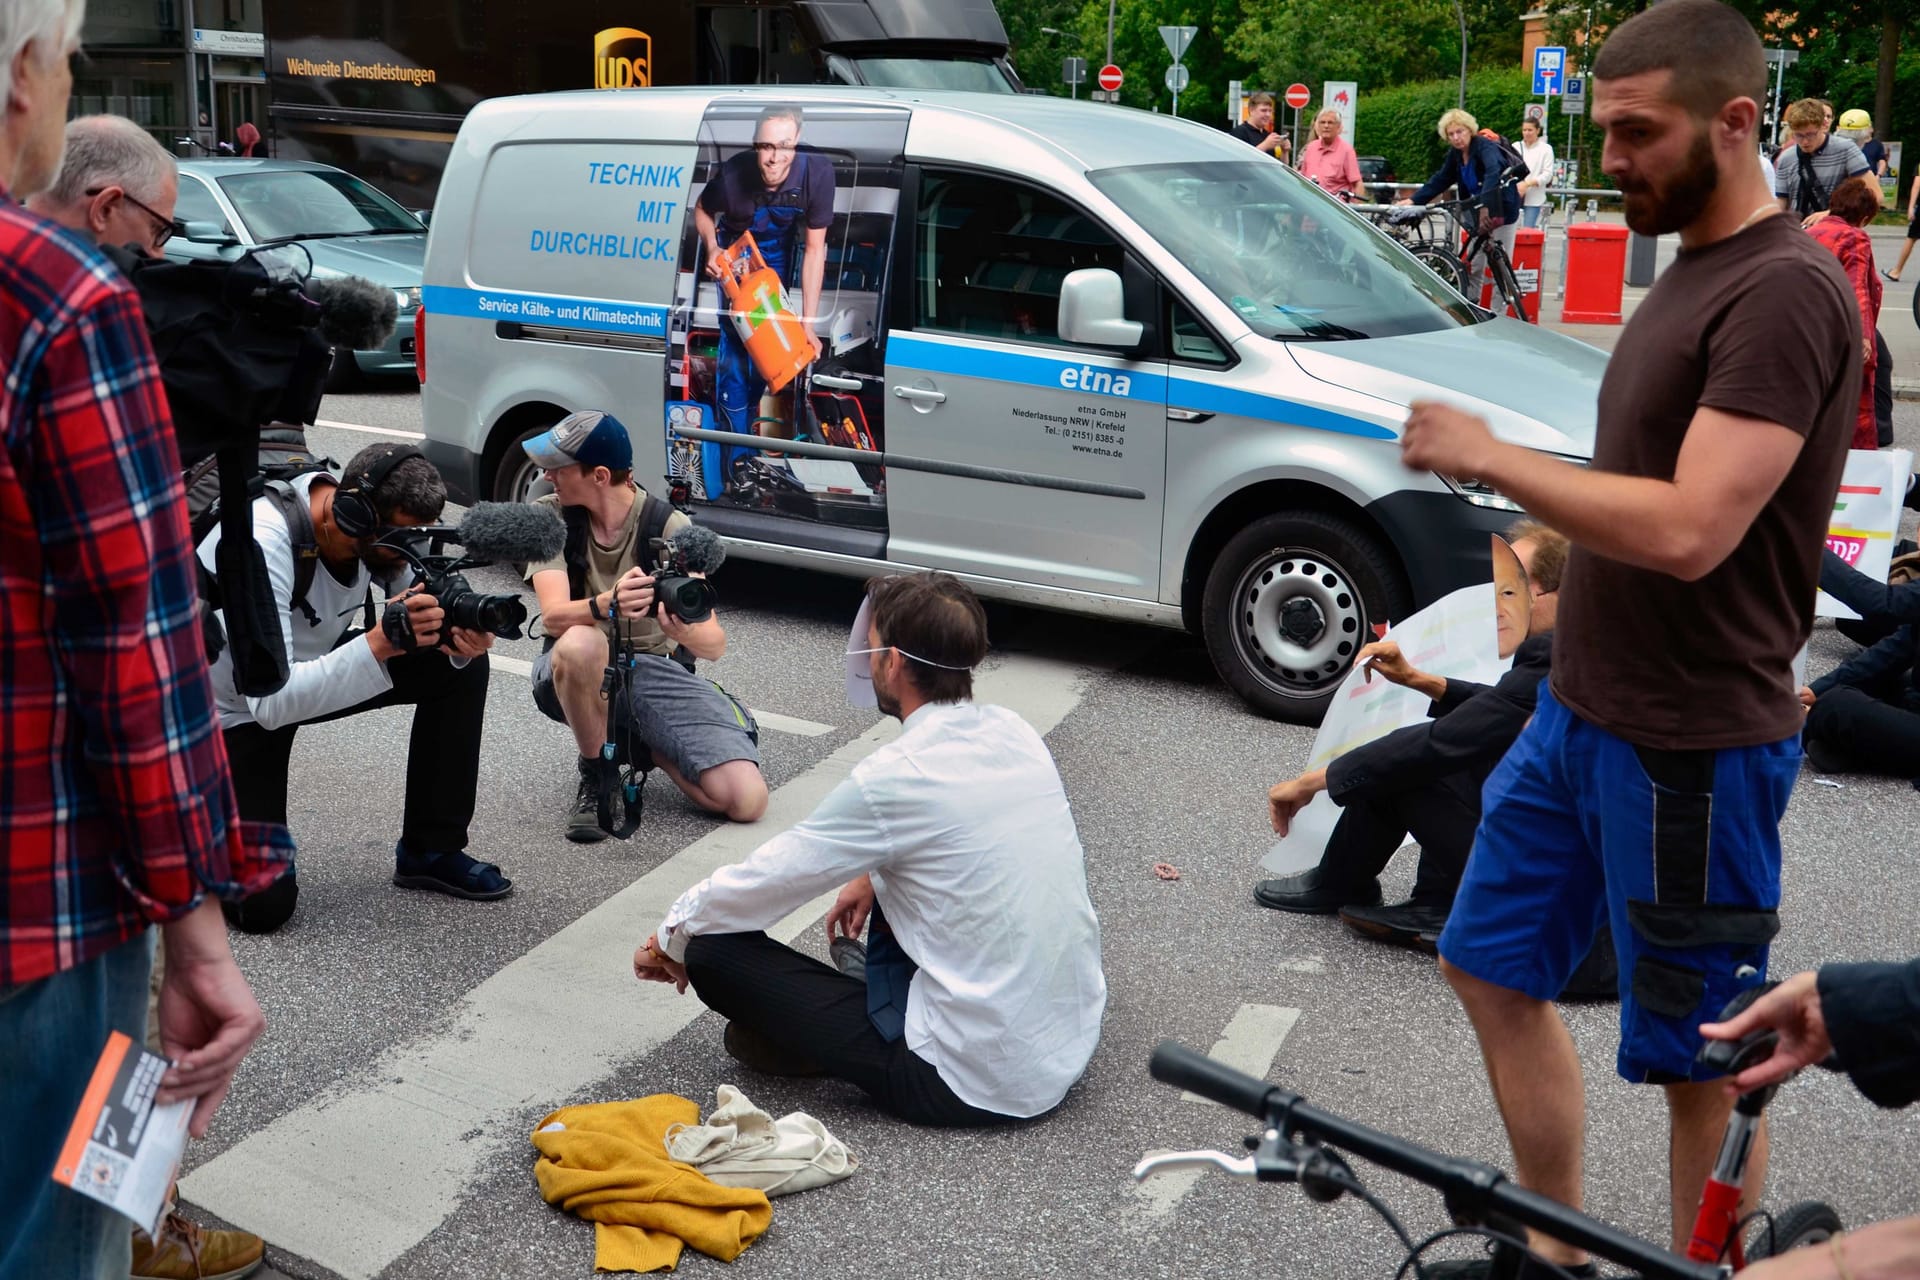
(390, 1153)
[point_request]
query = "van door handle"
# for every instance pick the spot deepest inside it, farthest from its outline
(834, 383)
(921, 395)
(1187, 415)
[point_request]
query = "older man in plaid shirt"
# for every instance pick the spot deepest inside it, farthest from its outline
(118, 806)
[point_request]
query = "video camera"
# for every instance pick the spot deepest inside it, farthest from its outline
(491, 532)
(695, 551)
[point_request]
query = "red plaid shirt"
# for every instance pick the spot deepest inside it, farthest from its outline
(116, 801)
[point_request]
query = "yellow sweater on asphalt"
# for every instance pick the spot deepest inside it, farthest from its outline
(608, 1163)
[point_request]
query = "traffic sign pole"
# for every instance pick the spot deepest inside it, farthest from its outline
(1297, 97)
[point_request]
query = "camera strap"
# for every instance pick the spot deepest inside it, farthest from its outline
(622, 783)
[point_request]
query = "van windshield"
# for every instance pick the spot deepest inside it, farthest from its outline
(1288, 258)
(974, 75)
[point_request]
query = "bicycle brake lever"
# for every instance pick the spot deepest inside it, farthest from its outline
(1174, 1161)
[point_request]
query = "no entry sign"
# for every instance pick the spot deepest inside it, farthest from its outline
(1110, 77)
(1297, 96)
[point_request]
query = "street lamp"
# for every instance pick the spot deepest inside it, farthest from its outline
(1462, 15)
(1073, 86)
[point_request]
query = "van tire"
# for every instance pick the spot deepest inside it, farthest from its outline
(515, 478)
(1337, 581)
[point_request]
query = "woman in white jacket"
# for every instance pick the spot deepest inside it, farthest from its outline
(1533, 188)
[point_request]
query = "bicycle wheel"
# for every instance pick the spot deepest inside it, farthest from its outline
(1798, 1225)
(1446, 266)
(1505, 283)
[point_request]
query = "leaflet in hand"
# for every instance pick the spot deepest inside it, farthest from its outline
(123, 1150)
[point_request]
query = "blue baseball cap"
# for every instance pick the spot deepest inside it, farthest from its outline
(589, 438)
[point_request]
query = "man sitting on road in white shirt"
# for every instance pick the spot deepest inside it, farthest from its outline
(981, 996)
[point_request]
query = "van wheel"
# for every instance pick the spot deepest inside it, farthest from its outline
(1290, 599)
(516, 479)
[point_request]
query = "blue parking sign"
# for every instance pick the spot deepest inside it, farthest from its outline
(1549, 69)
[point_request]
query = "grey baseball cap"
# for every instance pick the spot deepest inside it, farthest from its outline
(591, 438)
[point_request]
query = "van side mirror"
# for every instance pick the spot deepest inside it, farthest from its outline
(425, 216)
(1093, 310)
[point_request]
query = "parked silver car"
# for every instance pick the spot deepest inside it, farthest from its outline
(346, 226)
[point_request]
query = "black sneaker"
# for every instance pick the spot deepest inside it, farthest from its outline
(1823, 756)
(583, 821)
(1415, 925)
(1309, 894)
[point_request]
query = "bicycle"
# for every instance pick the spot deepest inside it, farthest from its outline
(1297, 1144)
(1455, 266)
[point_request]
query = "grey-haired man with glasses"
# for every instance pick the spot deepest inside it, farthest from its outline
(116, 186)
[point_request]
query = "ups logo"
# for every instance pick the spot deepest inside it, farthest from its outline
(622, 58)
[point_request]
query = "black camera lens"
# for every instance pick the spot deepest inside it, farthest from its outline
(467, 608)
(688, 599)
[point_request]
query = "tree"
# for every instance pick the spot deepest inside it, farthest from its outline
(1036, 52)
(1211, 60)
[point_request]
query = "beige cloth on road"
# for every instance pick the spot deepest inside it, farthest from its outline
(740, 1145)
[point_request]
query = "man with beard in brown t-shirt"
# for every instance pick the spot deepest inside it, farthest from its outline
(1648, 788)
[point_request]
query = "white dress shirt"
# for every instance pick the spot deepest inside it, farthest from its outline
(964, 827)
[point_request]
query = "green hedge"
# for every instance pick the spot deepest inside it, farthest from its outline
(1399, 123)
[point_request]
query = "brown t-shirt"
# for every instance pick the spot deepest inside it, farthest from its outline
(607, 565)
(1761, 324)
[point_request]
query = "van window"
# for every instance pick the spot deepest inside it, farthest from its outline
(972, 75)
(991, 255)
(1189, 340)
(1290, 260)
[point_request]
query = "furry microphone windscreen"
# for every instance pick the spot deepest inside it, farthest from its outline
(355, 314)
(702, 548)
(511, 531)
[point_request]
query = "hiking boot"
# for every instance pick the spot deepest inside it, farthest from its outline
(1414, 925)
(186, 1251)
(753, 1050)
(1310, 893)
(583, 821)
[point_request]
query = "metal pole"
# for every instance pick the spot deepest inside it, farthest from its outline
(1461, 13)
(1110, 4)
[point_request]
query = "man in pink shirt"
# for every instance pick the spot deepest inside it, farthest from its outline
(1329, 161)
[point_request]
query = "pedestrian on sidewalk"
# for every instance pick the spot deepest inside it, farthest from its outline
(1817, 163)
(1533, 188)
(1913, 231)
(1843, 234)
(1328, 161)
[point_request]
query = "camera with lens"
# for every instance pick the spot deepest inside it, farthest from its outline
(675, 589)
(470, 609)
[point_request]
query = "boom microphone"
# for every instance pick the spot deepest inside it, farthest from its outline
(499, 531)
(700, 549)
(355, 313)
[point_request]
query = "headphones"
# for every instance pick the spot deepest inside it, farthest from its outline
(353, 511)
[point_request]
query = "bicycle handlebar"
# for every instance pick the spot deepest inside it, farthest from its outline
(1471, 1188)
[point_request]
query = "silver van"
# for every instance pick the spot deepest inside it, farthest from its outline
(1083, 357)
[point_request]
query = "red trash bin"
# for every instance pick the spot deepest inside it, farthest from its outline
(1529, 254)
(1596, 273)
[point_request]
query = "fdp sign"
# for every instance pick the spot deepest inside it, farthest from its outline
(622, 59)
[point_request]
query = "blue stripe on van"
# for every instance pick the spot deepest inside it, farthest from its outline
(1001, 365)
(634, 318)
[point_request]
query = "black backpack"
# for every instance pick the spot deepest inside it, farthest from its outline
(1511, 158)
(283, 456)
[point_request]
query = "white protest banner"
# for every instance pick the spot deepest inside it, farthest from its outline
(1452, 637)
(1866, 517)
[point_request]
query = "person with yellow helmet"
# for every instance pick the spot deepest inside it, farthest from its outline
(1858, 125)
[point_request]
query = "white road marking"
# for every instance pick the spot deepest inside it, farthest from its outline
(387, 1154)
(372, 431)
(1301, 964)
(1251, 1041)
(766, 719)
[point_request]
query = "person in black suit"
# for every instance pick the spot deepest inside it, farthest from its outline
(1422, 780)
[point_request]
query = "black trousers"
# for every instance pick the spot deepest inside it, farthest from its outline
(1442, 816)
(443, 753)
(818, 1013)
(1870, 734)
(1883, 391)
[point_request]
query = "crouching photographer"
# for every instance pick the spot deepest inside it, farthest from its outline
(323, 541)
(618, 665)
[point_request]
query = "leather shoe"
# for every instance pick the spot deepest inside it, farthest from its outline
(1415, 925)
(186, 1251)
(1309, 893)
(756, 1052)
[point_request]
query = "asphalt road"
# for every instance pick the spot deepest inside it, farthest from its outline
(381, 1126)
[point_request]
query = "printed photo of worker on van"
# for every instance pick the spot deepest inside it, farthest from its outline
(782, 277)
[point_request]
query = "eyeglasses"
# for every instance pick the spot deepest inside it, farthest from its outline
(164, 229)
(770, 148)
